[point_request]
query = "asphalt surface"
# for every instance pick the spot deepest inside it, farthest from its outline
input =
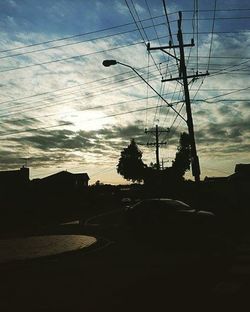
(121, 273)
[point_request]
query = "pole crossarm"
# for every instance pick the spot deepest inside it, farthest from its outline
(159, 131)
(163, 50)
(170, 46)
(157, 144)
(181, 78)
(154, 144)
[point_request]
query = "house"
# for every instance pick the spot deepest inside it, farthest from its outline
(239, 188)
(63, 180)
(14, 179)
(241, 173)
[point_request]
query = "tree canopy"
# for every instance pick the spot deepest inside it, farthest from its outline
(183, 156)
(130, 164)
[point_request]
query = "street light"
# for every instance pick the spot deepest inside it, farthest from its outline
(108, 63)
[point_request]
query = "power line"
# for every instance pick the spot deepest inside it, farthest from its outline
(197, 35)
(217, 18)
(71, 87)
(78, 56)
(212, 35)
(111, 28)
(22, 110)
(64, 102)
(73, 36)
(70, 100)
(100, 92)
(35, 129)
(217, 96)
(169, 27)
(107, 50)
(218, 10)
(224, 57)
(131, 13)
(228, 67)
(70, 58)
(154, 25)
(75, 43)
(218, 32)
(71, 124)
(92, 107)
(167, 60)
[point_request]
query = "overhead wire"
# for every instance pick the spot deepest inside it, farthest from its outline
(74, 36)
(64, 101)
(84, 109)
(212, 35)
(101, 92)
(78, 56)
(148, 9)
(197, 33)
(76, 42)
(70, 57)
(70, 123)
(83, 87)
(74, 86)
(143, 30)
(109, 28)
(169, 28)
(172, 41)
(136, 23)
(224, 94)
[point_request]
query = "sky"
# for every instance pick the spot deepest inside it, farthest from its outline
(61, 109)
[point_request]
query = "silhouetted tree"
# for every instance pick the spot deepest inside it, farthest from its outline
(153, 165)
(183, 157)
(130, 165)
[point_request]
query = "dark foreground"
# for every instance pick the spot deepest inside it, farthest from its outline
(122, 274)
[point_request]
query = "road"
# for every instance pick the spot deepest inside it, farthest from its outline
(122, 274)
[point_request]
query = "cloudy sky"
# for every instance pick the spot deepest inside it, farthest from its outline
(62, 110)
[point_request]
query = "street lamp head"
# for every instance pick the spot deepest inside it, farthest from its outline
(108, 63)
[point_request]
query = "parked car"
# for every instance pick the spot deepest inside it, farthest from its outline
(170, 220)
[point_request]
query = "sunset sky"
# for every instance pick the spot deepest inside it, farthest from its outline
(63, 110)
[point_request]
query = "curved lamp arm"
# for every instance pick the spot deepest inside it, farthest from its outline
(108, 63)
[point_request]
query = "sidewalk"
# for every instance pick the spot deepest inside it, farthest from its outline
(13, 249)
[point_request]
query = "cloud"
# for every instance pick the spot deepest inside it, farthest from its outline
(91, 99)
(56, 140)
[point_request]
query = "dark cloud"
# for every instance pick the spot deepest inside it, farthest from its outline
(11, 160)
(56, 139)
(105, 140)
(233, 129)
(20, 122)
(222, 150)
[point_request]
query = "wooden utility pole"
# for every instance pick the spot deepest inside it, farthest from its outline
(184, 78)
(157, 144)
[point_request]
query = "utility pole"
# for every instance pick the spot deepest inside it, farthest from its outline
(157, 144)
(184, 78)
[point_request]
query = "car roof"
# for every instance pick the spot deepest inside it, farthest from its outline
(169, 202)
